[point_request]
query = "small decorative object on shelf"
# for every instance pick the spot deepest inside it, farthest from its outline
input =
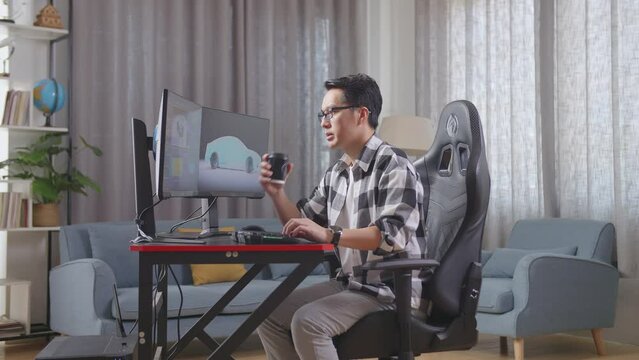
(48, 97)
(35, 162)
(49, 17)
(10, 42)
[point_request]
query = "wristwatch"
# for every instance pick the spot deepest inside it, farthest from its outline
(337, 234)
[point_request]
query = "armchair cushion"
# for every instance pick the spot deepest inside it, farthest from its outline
(503, 261)
(496, 296)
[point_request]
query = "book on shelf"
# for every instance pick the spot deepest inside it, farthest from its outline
(16, 108)
(13, 210)
(10, 327)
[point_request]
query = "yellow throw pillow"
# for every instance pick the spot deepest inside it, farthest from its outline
(214, 273)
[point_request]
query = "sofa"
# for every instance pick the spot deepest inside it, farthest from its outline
(95, 256)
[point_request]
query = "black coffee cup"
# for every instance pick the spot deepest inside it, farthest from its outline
(279, 167)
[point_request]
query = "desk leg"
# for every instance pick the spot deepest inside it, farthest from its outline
(272, 301)
(145, 309)
(162, 311)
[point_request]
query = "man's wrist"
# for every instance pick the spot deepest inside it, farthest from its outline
(336, 234)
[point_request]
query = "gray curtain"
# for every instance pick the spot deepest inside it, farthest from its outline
(264, 58)
(556, 84)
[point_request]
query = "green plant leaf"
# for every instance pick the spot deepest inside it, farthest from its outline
(36, 162)
(96, 150)
(44, 191)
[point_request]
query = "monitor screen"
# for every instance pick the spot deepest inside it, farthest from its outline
(203, 152)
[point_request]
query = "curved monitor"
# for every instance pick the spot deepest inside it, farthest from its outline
(203, 152)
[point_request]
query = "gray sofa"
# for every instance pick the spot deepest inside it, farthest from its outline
(95, 256)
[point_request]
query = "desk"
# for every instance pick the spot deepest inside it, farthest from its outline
(222, 251)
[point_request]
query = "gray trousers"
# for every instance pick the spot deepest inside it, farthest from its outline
(303, 325)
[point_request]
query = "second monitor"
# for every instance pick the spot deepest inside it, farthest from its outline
(206, 153)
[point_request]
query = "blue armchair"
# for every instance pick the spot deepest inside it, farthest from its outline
(554, 275)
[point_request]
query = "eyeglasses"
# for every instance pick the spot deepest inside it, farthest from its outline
(328, 114)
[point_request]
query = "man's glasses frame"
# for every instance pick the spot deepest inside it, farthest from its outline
(329, 113)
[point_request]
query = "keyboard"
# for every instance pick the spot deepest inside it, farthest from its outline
(266, 237)
(190, 237)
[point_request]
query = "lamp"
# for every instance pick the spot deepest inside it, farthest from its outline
(413, 134)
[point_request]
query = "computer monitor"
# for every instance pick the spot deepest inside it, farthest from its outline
(206, 153)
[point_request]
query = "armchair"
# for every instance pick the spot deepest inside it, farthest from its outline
(553, 275)
(456, 183)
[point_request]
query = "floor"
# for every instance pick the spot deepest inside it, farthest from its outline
(553, 347)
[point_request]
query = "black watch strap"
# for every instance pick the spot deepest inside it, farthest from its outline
(337, 234)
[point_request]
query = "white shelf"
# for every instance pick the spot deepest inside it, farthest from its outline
(34, 229)
(5, 282)
(35, 32)
(35, 128)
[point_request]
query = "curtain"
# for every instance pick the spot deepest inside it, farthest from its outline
(263, 58)
(555, 83)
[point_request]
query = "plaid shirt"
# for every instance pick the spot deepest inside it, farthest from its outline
(388, 195)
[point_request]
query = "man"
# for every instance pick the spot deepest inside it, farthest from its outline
(368, 204)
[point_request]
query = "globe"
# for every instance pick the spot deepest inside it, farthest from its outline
(48, 96)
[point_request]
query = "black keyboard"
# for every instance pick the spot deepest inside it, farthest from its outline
(190, 237)
(266, 237)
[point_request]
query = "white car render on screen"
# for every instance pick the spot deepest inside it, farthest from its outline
(229, 152)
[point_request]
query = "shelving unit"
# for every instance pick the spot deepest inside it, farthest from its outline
(18, 293)
(30, 129)
(31, 61)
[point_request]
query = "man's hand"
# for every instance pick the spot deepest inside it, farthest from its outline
(271, 188)
(307, 229)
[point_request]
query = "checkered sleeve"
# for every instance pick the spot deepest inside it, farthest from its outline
(315, 207)
(398, 202)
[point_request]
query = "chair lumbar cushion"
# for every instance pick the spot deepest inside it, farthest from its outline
(504, 260)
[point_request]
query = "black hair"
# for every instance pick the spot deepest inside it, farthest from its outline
(361, 90)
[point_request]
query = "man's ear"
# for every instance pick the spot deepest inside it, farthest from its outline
(362, 116)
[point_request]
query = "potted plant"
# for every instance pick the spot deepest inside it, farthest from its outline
(35, 162)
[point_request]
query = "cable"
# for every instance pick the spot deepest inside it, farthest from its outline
(142, 237)
(160, 275)
(174, 227)
(181, 302)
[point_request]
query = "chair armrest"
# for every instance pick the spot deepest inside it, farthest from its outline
(485, 255)
(400, 264)
(562, 292)
(81, 292)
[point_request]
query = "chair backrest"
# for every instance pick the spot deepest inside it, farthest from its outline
(593, 239)
(456, 182)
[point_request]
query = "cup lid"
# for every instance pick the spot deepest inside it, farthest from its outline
(278, 155)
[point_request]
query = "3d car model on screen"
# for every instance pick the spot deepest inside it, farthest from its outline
(229, 152)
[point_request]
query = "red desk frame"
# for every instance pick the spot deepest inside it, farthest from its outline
(224, 251)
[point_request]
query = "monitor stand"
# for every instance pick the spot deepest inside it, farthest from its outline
(210, 228)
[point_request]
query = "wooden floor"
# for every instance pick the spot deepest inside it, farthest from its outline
(553, 347)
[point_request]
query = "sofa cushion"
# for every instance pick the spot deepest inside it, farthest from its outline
(283, 270)
(496, 295)
(503, 261)
(199, 299)
(110, 243)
